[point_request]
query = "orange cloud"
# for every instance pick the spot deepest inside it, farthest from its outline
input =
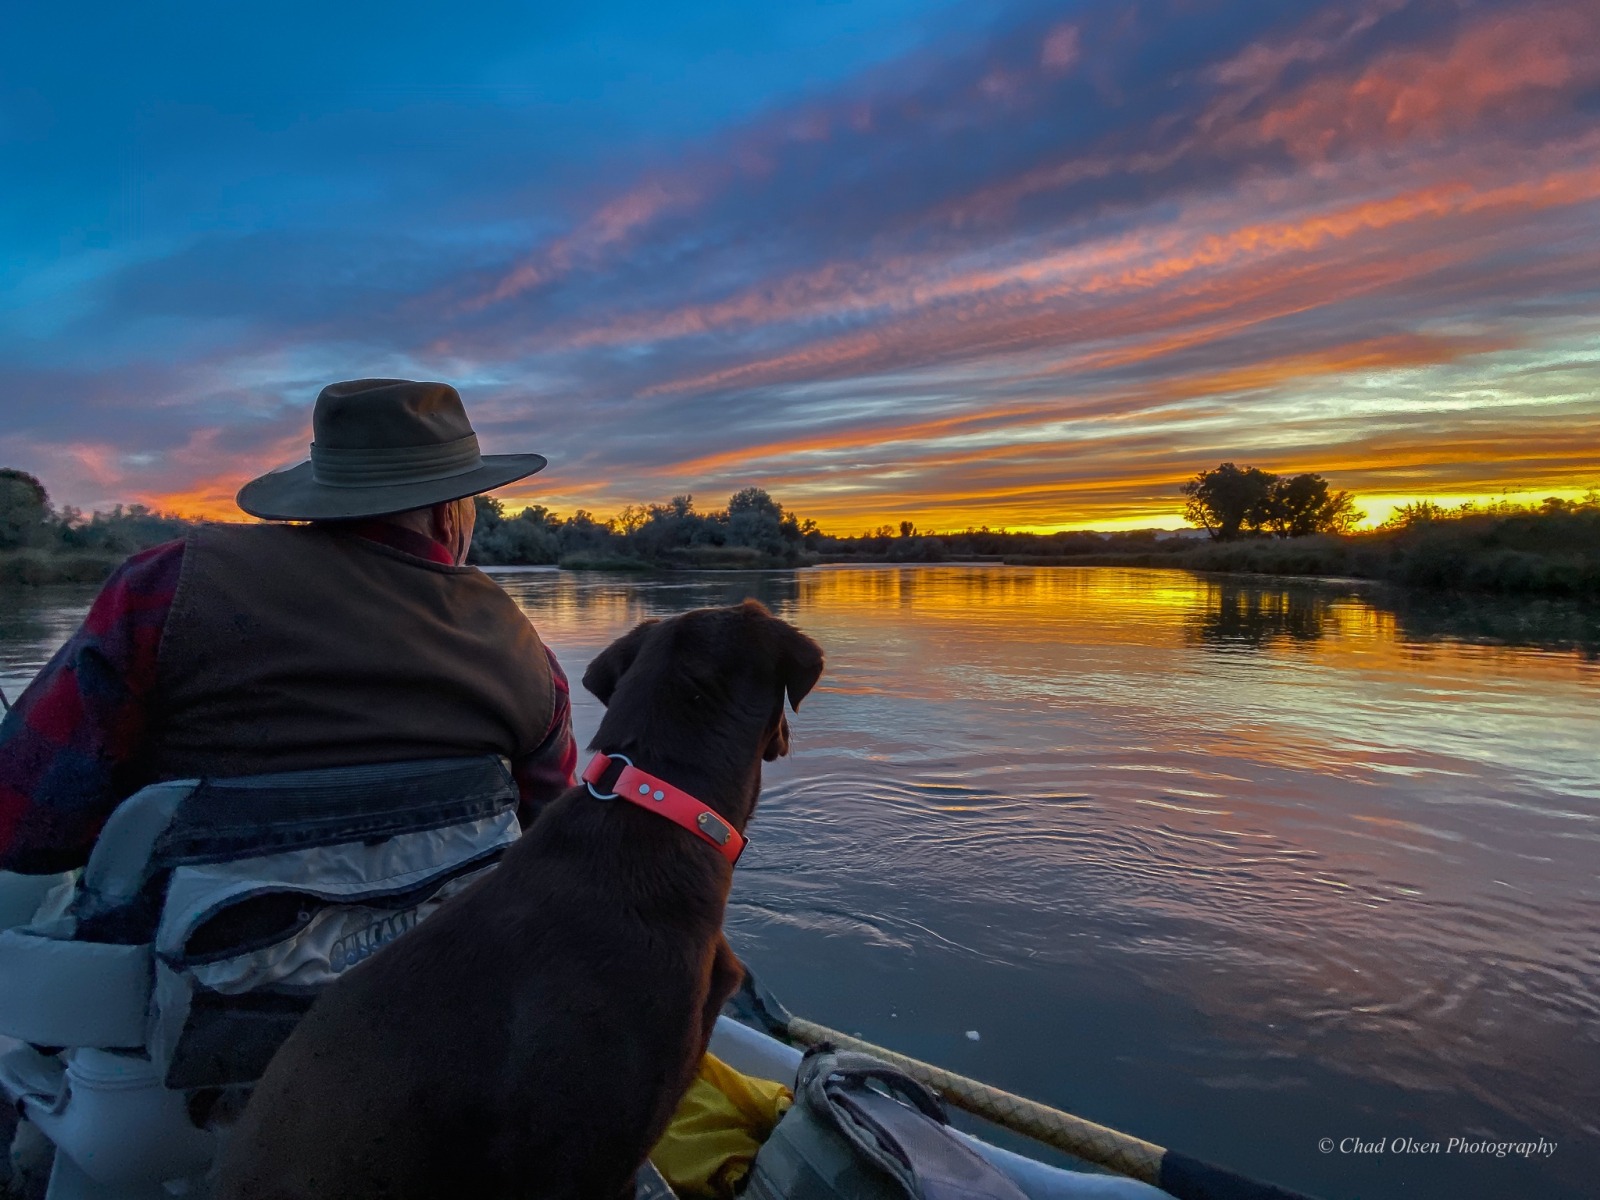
(216, 474)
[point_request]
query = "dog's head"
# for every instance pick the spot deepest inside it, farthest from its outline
(690, 668)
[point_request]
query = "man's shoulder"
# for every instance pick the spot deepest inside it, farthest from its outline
(249, 531)
(139, 592)
(267, 542)
(238, 537)
(148, 569)
(156, 554)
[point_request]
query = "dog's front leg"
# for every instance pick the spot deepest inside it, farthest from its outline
(727, 972)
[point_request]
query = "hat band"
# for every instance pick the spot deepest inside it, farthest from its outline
(382, 466)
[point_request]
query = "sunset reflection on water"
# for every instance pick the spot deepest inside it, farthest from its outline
(1233, 863)
(1350, 835)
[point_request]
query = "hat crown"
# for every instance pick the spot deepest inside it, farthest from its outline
(369, 414)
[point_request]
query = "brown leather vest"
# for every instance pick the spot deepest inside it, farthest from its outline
(291, 647)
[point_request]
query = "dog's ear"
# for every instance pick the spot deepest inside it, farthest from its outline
(778, 743)
(799, 665)
(613, 662)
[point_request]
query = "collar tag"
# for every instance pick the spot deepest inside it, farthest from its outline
(714, 827)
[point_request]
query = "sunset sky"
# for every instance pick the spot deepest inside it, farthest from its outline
(1009, 264)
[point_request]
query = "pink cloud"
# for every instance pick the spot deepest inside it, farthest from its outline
(1060, 50)
(1513, 65)
(613, 222)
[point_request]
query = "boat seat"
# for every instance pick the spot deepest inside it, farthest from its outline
(210, 914)
(22, 895)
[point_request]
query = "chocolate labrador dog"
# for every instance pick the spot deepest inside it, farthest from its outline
(533, 1036)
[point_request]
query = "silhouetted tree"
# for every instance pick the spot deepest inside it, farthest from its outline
(1231, 500)
(631, 519)
(532, 537)
(1303, 505)
(754, 500)
(756, 519)
(24, 507)
(1416, 512)
(581, 533)
(673, 525)
(490, 512)
(1228, 500)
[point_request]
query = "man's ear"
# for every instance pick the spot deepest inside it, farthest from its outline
(613, 662)
(799, 665)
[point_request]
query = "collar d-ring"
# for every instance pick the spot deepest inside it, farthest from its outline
(607, 795)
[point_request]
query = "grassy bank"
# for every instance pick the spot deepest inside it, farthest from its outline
(1547, 554)
(601, 562)
(1530, 552)
(34, 568)
(689, 558)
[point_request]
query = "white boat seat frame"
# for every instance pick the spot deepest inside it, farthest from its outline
(111, 1018)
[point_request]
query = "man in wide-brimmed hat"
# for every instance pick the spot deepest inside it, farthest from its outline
(356, 635)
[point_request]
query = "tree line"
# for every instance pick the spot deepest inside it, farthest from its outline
(28, 521)
(754, 530)
(1258, 521)
(1230, 502)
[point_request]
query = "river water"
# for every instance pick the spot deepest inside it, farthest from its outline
(1237, 866)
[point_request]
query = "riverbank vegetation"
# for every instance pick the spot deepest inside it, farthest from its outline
(1547, 549)
(1250, 521)
(1284, 526)
(42, 544)
(1259, 522)
(753, 531)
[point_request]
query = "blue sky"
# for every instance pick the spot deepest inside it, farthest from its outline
(1020, 264)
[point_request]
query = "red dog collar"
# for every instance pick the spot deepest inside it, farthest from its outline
(660, 797)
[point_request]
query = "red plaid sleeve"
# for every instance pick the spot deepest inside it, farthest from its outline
(549, 770)
(68, 747)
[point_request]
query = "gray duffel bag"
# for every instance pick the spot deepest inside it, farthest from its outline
(861, 1130)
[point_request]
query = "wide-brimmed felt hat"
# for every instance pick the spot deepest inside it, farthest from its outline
(382, 446)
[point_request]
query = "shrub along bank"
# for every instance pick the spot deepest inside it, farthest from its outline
(1549, 550)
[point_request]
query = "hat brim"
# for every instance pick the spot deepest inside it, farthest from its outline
(295, 495)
